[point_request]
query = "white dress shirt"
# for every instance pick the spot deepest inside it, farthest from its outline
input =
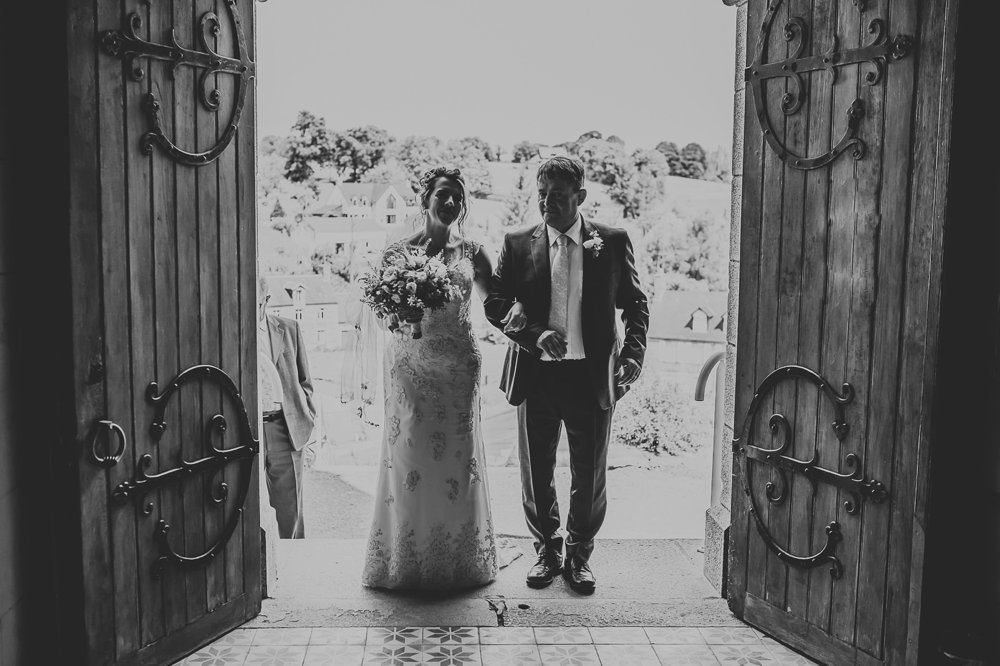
(270, 382)
(574, 332)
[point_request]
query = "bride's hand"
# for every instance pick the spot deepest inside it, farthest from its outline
(515, 320)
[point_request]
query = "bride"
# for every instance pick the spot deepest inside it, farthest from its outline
(432, 528)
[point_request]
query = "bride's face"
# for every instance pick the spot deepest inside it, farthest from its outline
(446, 201)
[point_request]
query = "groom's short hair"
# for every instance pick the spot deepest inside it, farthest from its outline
(561, 167)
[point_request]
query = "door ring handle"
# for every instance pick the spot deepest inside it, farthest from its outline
(110, 427)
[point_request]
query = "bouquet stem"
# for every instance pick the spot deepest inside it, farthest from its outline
(413, 319)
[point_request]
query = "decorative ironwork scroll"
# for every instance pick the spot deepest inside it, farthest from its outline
(129, 46)
(853, 482)
(145, 483)
(876, 54)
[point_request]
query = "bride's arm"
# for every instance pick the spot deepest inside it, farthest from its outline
(484, 269)
(514, 320)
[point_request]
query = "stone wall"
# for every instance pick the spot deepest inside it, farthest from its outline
(717, 518)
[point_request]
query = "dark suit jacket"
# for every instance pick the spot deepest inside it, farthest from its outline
(289, 356)
(610, 282)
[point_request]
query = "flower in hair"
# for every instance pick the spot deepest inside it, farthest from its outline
(438, 172)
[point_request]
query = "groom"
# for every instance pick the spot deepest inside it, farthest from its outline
(567, 366)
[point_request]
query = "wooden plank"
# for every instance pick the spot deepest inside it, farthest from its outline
(85, 270)
(142, 341)
(168, 449)
(857, 352)
(760, 560)
(931, 141)
(943, 102)
(886, 151)
(893, 208)
(813, 290)
(750, 225)
(246, 145)
(801, 635)
(788, 295)
(211, 338)
(836, 320)
(912, 343)
(176, 645)
(228, 218)
(188, 309)
(114, 262)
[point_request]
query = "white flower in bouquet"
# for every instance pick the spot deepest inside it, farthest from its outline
(406, 285)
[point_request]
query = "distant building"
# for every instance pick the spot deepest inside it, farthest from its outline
(686, 327)
(387, 203)
(358, 218)
(316, 302)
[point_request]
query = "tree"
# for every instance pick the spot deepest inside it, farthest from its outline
(474, 143)
(325, 259)
(614, 138)
(525, 151)
(605, 163)
(691, 250)
(642, 184)
(358, 150)
(718, 165)
(673, 156)
(273, 145)
(416, 154)
(468, 158)
(693, 161)
(277, 211)
(388, 172)
(573, 147)
(520, 204)
(310, 145)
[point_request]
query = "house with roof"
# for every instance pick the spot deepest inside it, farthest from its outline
(386, 203)
(319, 303)
(358, 218)
(686, 328)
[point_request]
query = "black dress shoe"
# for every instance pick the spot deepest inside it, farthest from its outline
(579, 575)
(545, 569)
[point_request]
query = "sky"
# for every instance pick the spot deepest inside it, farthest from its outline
(505, 70)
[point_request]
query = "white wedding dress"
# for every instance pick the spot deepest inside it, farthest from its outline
(432, 528)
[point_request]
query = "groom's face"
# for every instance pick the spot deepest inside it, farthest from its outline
(558, 201)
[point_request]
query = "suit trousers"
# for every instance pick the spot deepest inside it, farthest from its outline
(283, 467)
(564, 395)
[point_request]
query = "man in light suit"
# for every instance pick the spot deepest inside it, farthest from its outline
(287, 411)
(566, 365)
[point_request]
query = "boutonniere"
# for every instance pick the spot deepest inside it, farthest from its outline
(595, 243)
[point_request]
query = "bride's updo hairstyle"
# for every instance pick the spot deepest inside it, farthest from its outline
(430, 178)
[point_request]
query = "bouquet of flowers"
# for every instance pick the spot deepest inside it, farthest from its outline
(407, 284)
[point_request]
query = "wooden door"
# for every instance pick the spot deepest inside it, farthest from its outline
(164, 264)
(847, 129)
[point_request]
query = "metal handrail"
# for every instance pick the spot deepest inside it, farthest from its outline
(716, 359)
(706, 370)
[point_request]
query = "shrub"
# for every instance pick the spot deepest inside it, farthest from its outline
(660, 416)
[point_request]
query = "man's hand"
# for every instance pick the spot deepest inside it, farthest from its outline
(553, 343)
(627, 371)
(515, 320)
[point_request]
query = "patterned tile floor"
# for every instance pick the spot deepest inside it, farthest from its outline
(499, 646)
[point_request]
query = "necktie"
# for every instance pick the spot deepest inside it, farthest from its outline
(559, 310)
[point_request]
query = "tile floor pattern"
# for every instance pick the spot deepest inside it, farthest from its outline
(496, 646)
